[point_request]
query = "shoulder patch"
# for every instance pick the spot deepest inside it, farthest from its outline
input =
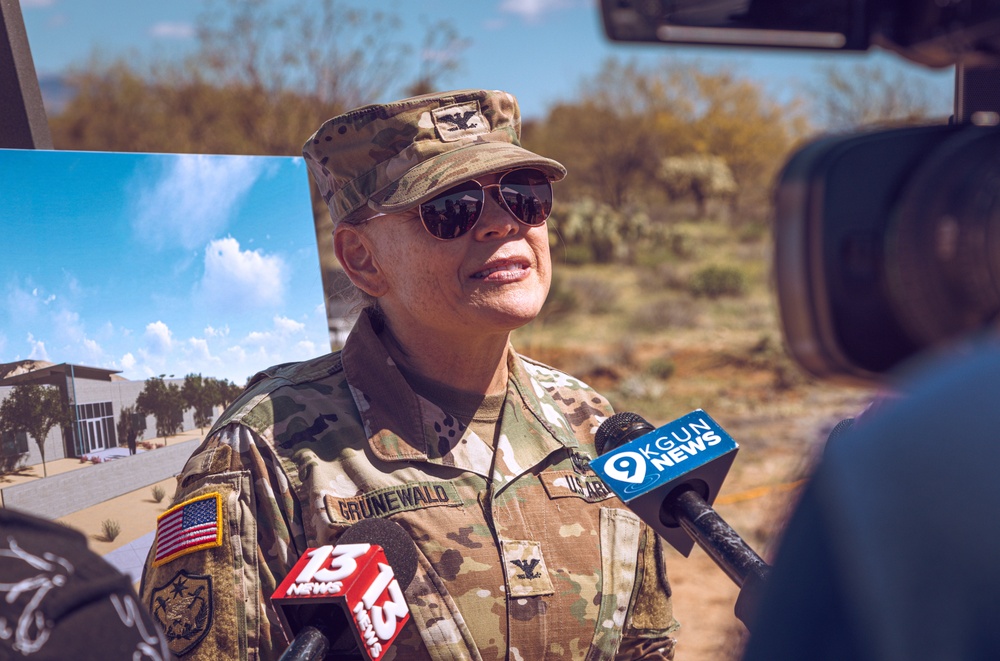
(191, 526)
(183, 609)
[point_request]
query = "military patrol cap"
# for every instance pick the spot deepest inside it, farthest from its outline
(391, 157)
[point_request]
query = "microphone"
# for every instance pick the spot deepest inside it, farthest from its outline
(670, 477)
(364, 575)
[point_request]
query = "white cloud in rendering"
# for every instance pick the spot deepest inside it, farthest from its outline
(193, 200)
(159, 339)
(241, 279)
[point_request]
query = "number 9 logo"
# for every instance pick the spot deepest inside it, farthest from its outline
(626, 467)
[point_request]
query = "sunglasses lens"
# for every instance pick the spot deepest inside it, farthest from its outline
(453, 213)
(528, 194)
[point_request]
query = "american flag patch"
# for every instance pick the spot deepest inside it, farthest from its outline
(191, 526)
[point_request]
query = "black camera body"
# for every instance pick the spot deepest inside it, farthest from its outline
(936, 33)
(887, 242)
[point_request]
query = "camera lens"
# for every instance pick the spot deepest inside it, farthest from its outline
(943, 241)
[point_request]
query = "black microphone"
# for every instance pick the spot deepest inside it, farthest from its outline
(669, 477)
(346, 601)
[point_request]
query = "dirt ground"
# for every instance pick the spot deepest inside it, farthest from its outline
(135, 512)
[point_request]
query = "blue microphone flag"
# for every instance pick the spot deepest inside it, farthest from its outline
(693, 450)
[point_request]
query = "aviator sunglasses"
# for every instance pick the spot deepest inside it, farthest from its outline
(526, 193)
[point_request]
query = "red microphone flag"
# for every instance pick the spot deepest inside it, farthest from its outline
(357, 575)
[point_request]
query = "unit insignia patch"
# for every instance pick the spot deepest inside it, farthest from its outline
(183, 608)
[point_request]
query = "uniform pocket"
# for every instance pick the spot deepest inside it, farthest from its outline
(620, 535)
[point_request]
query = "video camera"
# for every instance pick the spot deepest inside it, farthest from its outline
(887, 242)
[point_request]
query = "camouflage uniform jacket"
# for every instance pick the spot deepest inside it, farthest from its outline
(522, 553)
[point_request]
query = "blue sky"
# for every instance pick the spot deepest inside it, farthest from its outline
(169, 265)
(159, 264)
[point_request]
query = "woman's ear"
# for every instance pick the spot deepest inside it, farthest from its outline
(356, 256)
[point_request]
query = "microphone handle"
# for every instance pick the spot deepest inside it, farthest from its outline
(723, 544)
(310, 644)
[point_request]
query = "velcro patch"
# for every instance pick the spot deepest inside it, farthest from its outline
(392, 500)
(191, 526)
(524, 565)
(570, 484)
(183, 607)
(459, 121)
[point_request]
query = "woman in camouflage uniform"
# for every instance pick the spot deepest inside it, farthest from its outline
(427, 417)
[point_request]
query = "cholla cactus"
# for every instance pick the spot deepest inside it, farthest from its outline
(701, 176)
(606, 234)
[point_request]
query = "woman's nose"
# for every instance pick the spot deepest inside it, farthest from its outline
(497, 220)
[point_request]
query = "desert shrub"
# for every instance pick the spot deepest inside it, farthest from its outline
(753, 231)
(591, 230)
(661, 368)
(594, 295)
(110, 528)
(640, 387)
(682, 245)
(769, 354)
(576, 254)
(158, 493)
(662, 276)
(701, 176)
(716, 281)
(562, 300)
(623, 353)
(666, 313)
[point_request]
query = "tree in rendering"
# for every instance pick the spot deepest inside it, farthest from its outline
(34, 410)
(197, 393)
(163, 401)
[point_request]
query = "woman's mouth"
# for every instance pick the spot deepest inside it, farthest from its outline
(505, 271)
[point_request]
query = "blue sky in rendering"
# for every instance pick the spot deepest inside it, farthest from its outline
(158, 263)
(536, 49)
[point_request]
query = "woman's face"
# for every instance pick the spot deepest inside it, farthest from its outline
(490, 280)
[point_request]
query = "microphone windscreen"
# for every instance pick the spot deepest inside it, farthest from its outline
(620, 429)
(395, 542)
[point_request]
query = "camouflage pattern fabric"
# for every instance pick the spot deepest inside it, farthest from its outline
(523, 554)
(390, 157)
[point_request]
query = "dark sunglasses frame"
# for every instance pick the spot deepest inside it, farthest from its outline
(462, 227)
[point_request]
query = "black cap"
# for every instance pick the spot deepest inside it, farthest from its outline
(60, 600)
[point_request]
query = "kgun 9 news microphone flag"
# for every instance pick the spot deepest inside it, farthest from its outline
(669, 477)
(364, 575)
(693, 451)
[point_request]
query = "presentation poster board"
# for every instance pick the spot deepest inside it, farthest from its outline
(159, 263)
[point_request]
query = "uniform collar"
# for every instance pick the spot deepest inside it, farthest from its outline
(402, 426)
